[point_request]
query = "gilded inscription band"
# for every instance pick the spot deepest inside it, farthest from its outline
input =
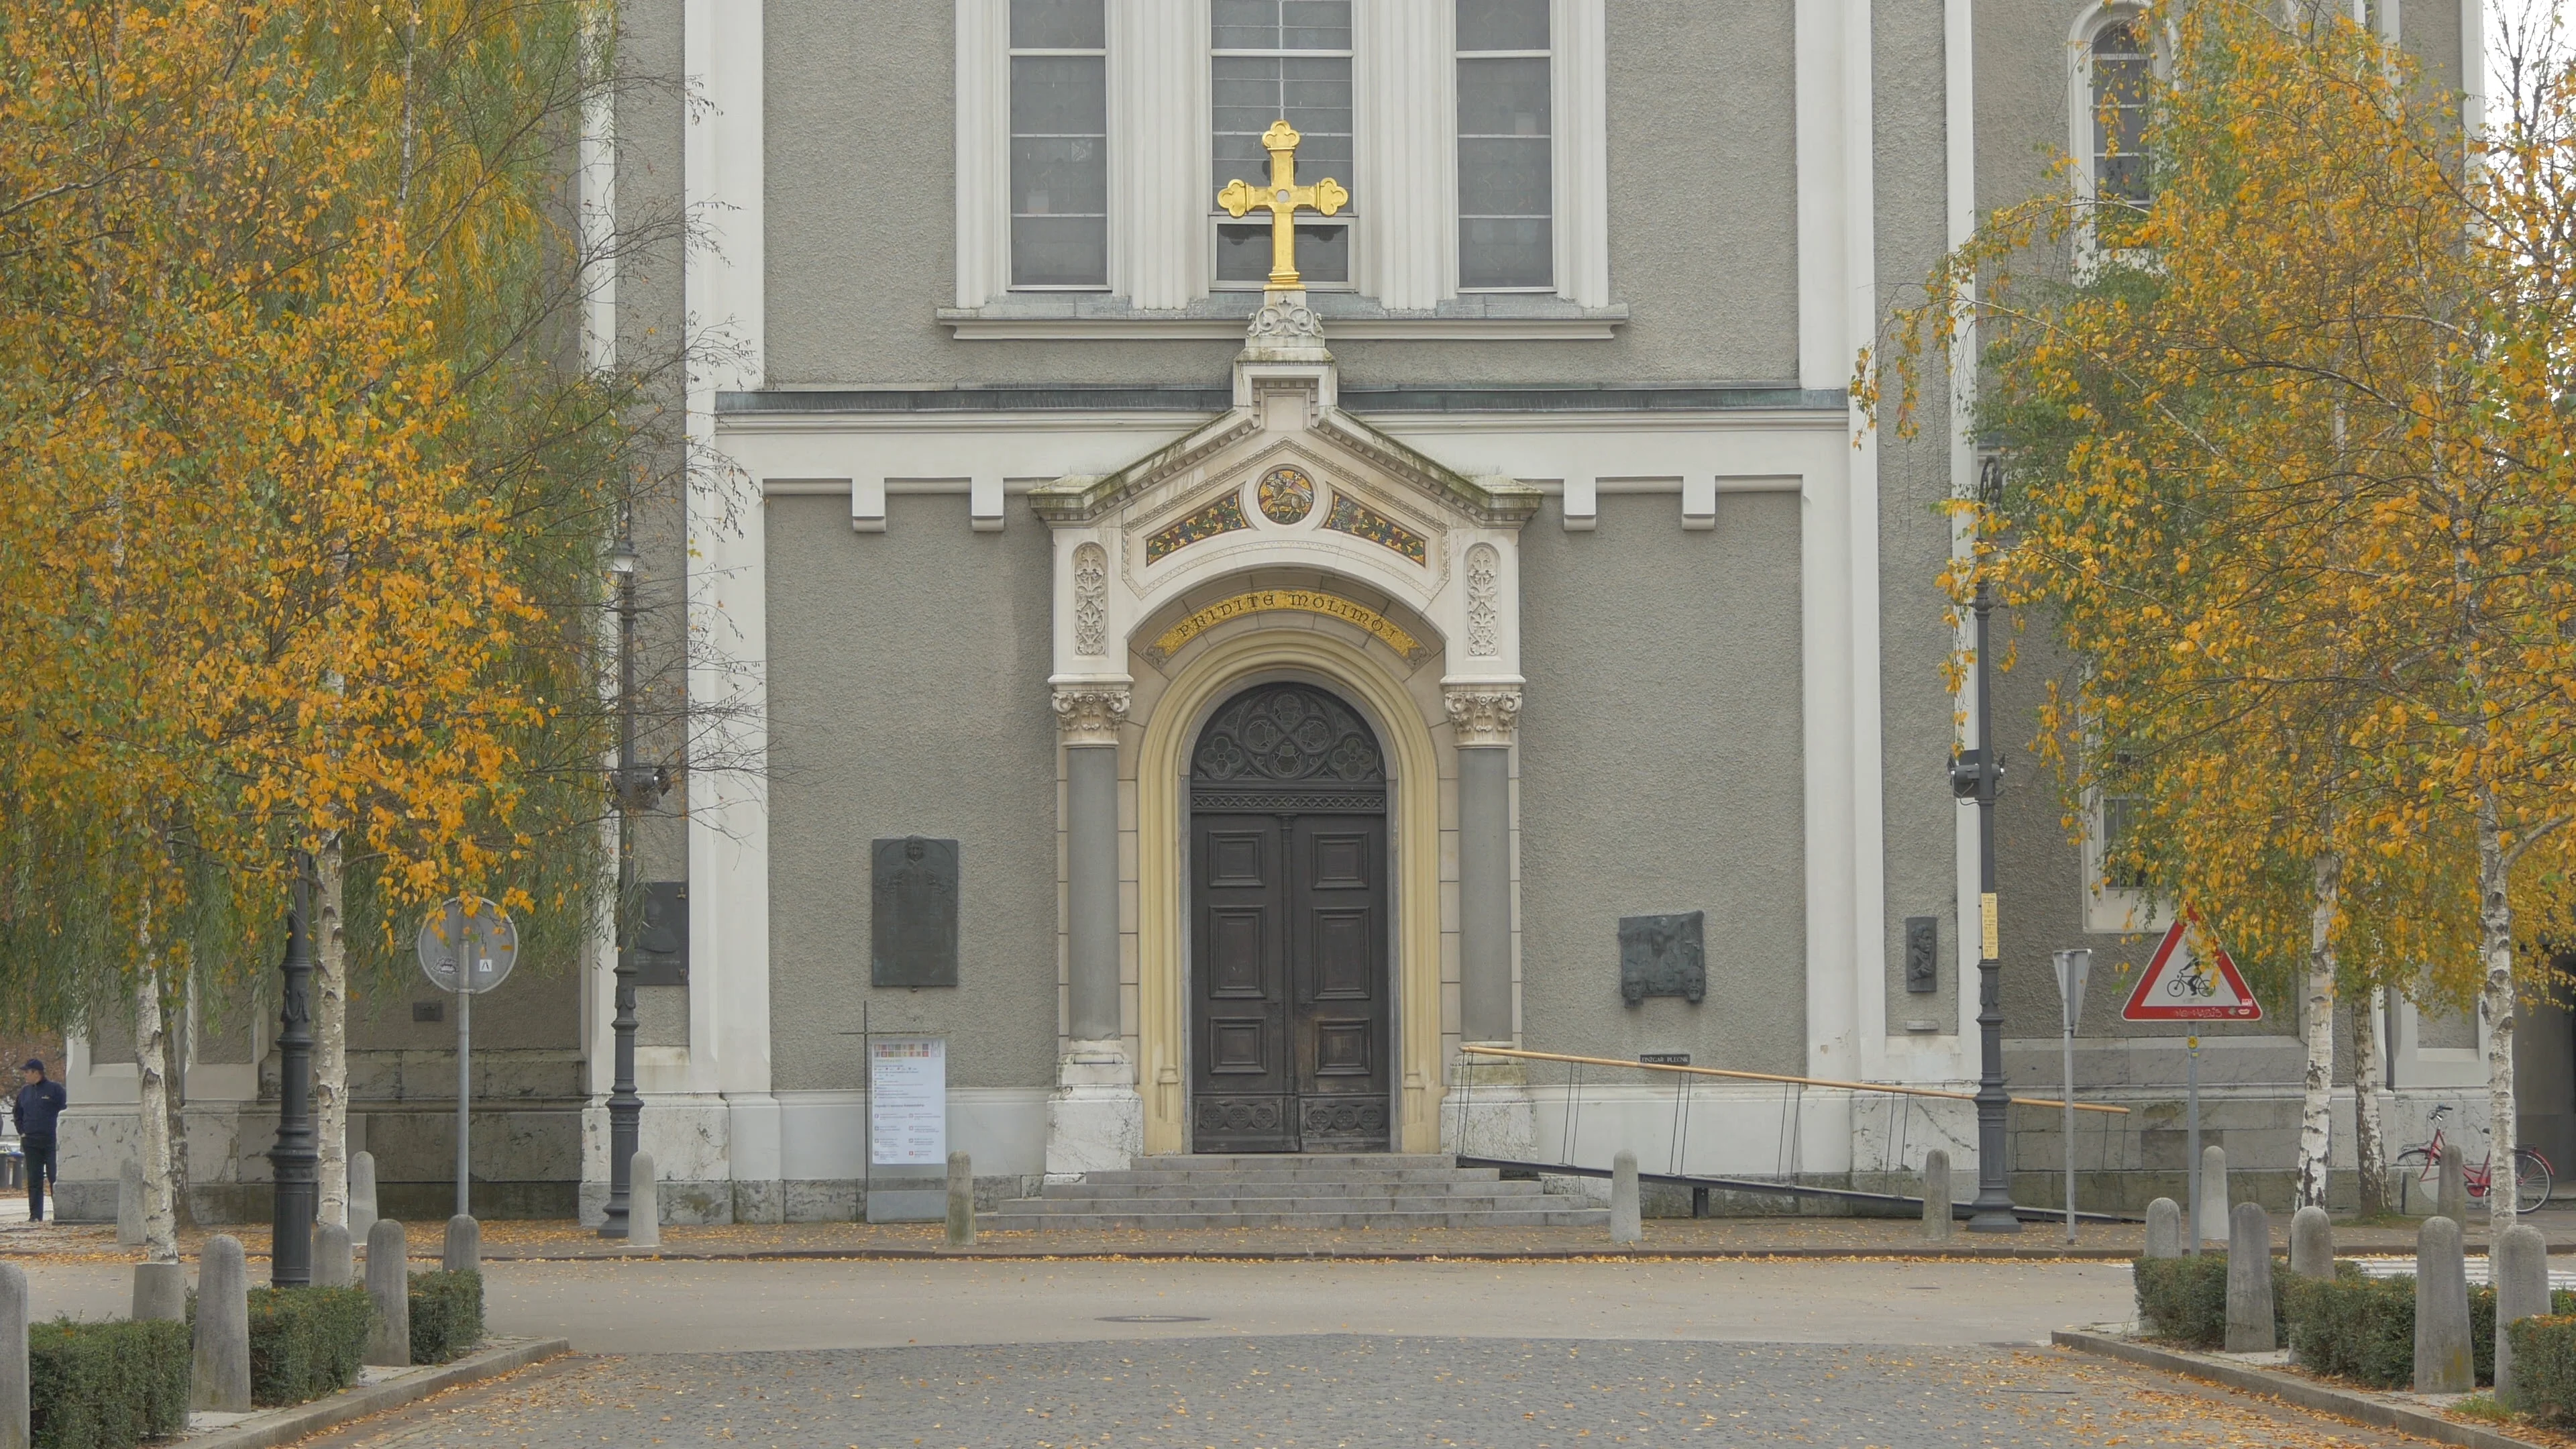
(1296, 600)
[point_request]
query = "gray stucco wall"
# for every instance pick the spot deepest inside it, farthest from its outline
(1921, 835)
(1661, 770)
(861, 213)
(907, 696)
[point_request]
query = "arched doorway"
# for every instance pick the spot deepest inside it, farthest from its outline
(1290, 1024)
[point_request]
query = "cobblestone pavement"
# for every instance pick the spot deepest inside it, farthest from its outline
(1348, 1390)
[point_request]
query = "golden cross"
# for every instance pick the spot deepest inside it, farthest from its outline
(1283, 198)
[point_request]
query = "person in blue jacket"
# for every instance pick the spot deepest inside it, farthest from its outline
(40, 1102)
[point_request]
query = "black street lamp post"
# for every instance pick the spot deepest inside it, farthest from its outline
(1975, 775)
(635, 787)
(290, 1243)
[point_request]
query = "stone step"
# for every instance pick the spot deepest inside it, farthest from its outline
(1291, 1161)
(1281, 1202)
(1378, 1180)
(1149, 1191)
(1006, 1220)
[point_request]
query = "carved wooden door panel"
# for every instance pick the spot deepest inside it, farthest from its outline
(1291, 1029)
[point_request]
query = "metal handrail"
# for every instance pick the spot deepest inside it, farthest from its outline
(1529, 1056)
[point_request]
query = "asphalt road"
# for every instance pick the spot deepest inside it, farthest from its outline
(1349, 1390)
(1287, 1355)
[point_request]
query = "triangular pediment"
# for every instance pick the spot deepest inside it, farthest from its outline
(1215, 458)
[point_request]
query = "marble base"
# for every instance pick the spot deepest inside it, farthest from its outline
(1489, 1112)
(1095, 1118)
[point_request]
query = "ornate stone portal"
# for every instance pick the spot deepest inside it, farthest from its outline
(1283, 537)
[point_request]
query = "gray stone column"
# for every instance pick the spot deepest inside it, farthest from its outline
(1484, 719)
(1095, 1119)
(1091, 867)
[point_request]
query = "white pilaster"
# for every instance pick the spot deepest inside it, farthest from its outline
(1404, 72)
(1159, 192)
(983, 150)
(1823, 358)
(1580, 33)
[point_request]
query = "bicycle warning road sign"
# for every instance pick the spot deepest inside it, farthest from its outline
(2181, 984)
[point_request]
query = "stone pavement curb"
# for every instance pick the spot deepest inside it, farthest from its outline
(284, 1426)
(2059, 1254)
(2306, 1393)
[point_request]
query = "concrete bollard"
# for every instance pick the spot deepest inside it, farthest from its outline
(2520, 1262)
(362, 1196)
(334, 1266)
(2213, 1195)
(160, 1292)
(643, 1203)
(1627, 1224)
(222, 1372)
(961, 1200)
(2453, 1203)
(2442, 1356)
(1936, 1196)
(389, 1283)
(14, 1401)
(2164, 1228)
(2249, 1280)
(129, 1205)
(2312, 1243)
(463, 1250)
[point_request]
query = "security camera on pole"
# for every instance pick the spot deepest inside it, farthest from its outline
(468, 947)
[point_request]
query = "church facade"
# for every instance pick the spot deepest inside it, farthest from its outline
(1209, 664)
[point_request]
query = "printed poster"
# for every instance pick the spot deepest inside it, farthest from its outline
(908, 1101)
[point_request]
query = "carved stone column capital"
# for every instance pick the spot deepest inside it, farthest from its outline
(1090, 712)
(1484, 714)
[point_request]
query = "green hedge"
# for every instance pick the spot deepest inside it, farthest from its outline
(306, 1342)
(2544, 1363)
(2184, 1300)
(107, 1385)
(2363, 1329)
(446, 1315)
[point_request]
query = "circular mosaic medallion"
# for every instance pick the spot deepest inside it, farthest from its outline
(1287, 495)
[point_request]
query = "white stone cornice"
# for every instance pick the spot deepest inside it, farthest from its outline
(1089, 711)
(1483, 713)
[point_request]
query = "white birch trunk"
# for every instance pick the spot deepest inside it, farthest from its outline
(2316, 1104)
(152, 1070)
(331, 1036)
(2496, 1009)
(2370, 1136)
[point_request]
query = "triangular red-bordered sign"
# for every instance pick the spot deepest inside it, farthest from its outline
(2181, 985)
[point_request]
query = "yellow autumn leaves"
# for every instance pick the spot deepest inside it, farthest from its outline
(2290, 482)
(255, 591)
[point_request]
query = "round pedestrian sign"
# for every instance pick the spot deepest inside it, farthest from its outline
(462, 951)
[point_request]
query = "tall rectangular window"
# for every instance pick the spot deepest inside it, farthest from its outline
(1059, 144)
(1281, 60)
(2120, 76)
(1506, 176)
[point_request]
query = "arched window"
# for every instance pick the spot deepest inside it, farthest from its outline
(2120, 68)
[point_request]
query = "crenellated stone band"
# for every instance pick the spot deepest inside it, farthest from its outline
(1483, 714)
(1090, 713)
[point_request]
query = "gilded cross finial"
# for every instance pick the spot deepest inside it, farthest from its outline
(1283, 198)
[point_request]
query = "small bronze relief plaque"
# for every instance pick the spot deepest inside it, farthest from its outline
(1922, 953)
(913, 913)
(1663, 956)
(661, 944)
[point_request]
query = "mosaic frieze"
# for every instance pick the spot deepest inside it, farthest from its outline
(1359, 522)
(1286, 495)
(1223, 516)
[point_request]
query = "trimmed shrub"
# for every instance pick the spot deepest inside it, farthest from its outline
(2184, 1300)
(107, 1385)
(2363, 1329)
(306, 1342)
(446, 1315)
(2544, 1359)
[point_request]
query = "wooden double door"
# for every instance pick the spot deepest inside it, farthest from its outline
(1291, 1027)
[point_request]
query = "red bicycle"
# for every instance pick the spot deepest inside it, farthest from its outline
(2532, 1177)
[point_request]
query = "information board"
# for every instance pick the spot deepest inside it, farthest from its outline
(908, 1101)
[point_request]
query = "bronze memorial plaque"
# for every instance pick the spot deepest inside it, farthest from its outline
(913, 913)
